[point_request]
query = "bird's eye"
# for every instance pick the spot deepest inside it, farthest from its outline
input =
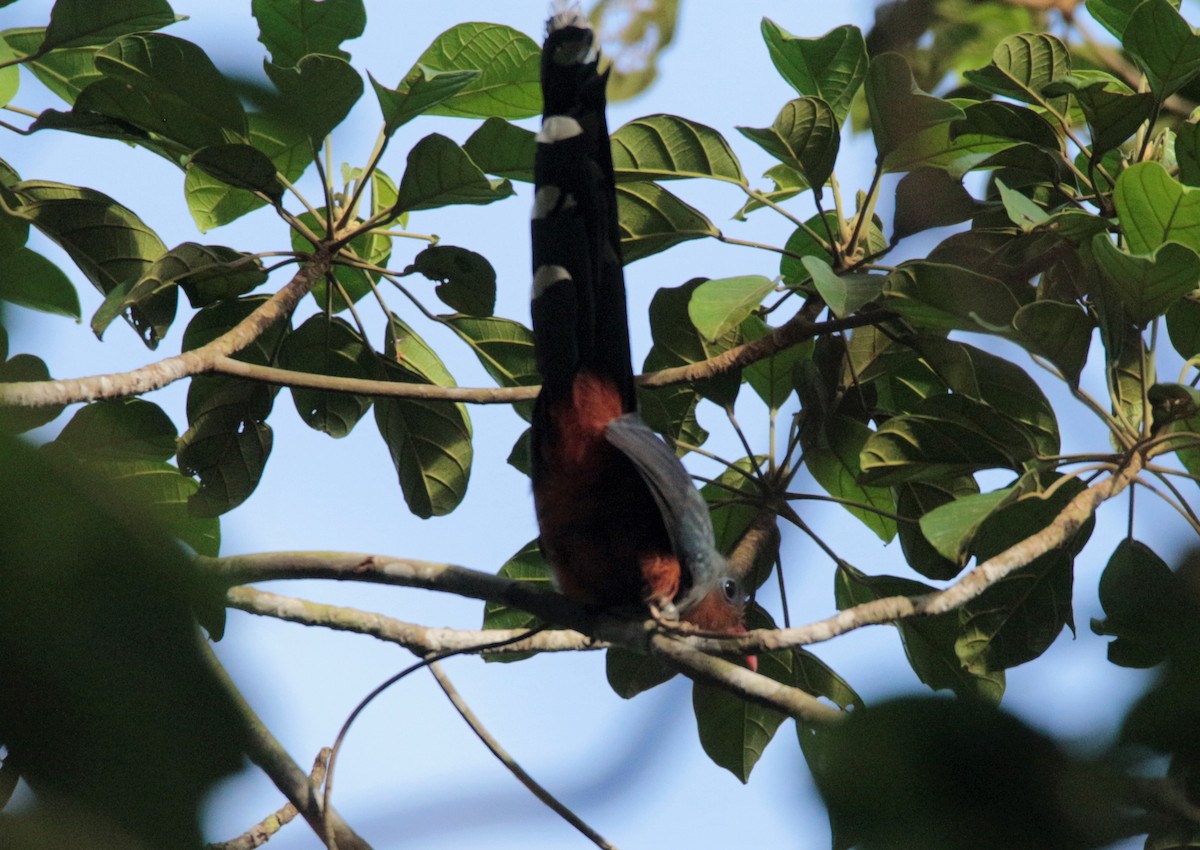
(731, 589)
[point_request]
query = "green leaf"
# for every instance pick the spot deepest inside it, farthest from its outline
(1022, 66)
(1187, 153)
(834, 464)
(167, 86)
(734, 732)
(319, 92)
(930, 197)
(29, 279)
(1113, 15)
(508, 85)
(80, 23)
(503, 149)
(1022, 211)
(406, 347)
(119, 711)
(504, 349)
(1113, 112)
(902, 116)
(929, 642)
(678, 343)
(1164, 46)
(108, 243)
(667, 147)
(651, 220)
(631, 673)
(1183, 327)
(119, 429)
(331, 347)
(951, 527)
(1142, 600)
(946, 297)
(64, 71)
(788, 184)
(466, 280)
(10, 75)
(804, 136)
(844, 294)
(1062, 333)
(241, 166)
(17, 420)
(418, 93)
(773, 378)
(918, 502)
(292, 29)
(526, 566)
(831, 67)
(719, 306)
(733, 519)
(1147, 286)
(1155, 208)
(430, 445)
(440, 173)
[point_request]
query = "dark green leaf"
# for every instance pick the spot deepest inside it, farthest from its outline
(1187, 153)
(430, 445)
(929, 642)
(1183, 326)
(226, 446)
(504, 348)
(110, 244)
(241, 166)
(64, 71)
(1164, 46)
(773, 378)
(418, 93)
(667, 147)
(678, 343)
(1062, 333)
(330, 347)
(120, 429)
(406, 347)
(1113, 15)
(902, 116)
(466, 280)
(292, 29)
(1113, 112)
(919, 503)
(831, 67)
(79, 23)
(834, 464)
(16, 420)
(944, 297)
(503, 149)
(1141, 598)
(653, 220)
(951, 527)
(168, 86)
(930, 197)
(509, 72)
(804, 136)
(1147, 286)
(843, 294)
(440, 173)
(527, 565)
(1022, 65)
(29, 279)
(319, 91)
(631, 673)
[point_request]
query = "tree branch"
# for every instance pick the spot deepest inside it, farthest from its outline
(421, 640)
(266, 752)
(261, 832)
(157, 375)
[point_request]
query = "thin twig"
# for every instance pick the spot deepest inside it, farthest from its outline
(261, 832)
(503, 756)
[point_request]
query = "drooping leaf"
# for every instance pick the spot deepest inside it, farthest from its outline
(241, 166)
(1141, 598)
(653, 220)
(1062, 333)
(947, 297)
(119, 429)
(1164, 46)
(918, 503)
(1112, 110)
(666, 147)
(901, 114)
(509, 72)
(834, 464)
(951, 527)
(504, 349)
(930, 197)
(330, 347)
(831, 67)
(503, 149)
(319, 91)
(291, 30)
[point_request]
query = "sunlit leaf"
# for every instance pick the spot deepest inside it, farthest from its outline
(653, 220)
(665, 147)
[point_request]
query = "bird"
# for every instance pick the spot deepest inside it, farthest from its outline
(620, 521)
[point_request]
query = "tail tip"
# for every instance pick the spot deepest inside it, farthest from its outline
(567, 13)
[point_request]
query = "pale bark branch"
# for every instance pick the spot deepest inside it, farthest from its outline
(154, 376)
(421, 640)
(503, 756)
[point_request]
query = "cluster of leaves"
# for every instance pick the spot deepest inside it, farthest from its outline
(1083, 220)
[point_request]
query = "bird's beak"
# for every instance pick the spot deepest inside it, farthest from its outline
(751, 660)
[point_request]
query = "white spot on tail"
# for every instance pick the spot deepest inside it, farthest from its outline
(557, 128)
(546, 276)
(566, 13)
(545, 201)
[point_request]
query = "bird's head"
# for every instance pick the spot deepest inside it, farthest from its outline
(720, 604)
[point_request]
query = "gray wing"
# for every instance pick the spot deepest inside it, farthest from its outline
(683, 509)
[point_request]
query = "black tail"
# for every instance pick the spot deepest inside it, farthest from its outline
(579, 315)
